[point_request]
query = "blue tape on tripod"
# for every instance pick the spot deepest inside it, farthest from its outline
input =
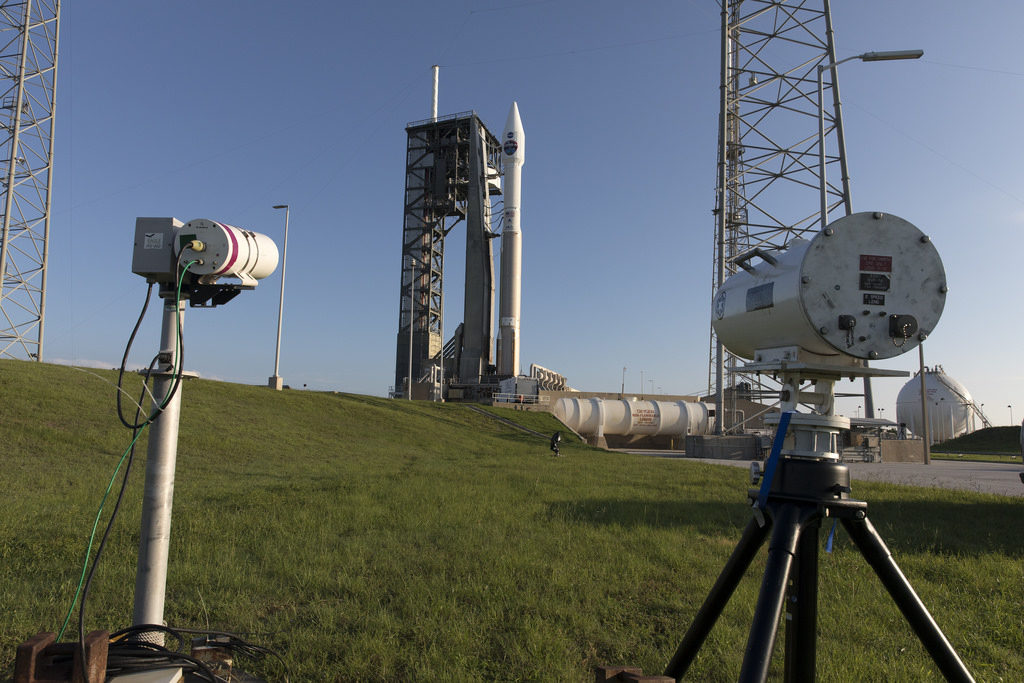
(773, 458)
(831, 536)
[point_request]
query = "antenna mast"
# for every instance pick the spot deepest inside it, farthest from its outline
(767, 189)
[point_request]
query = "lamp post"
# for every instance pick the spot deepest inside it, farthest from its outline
(622, 392)
(275, 380)
(1011, 414)
(866, 57)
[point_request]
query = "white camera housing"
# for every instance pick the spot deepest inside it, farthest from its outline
(219, 250)
(869, 286)
(222, 250)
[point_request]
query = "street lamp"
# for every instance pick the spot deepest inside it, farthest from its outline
(622, 392)
(275, 380)
(866, 57)
(1011, 414)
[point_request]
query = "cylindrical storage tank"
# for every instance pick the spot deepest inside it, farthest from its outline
(950, 406)
(597, 417)
(866, 286)
(226, 251)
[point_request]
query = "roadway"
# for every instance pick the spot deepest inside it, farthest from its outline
(985, 477)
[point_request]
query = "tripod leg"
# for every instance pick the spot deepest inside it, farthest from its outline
(753, 538)
(802, 610)
(874, 550)
(770, 601)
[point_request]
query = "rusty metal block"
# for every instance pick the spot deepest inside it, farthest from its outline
(627, 674)
(42, 660)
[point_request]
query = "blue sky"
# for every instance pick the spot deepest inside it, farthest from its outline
(222, 109)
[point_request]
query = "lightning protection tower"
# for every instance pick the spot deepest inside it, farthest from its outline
(452, 170)
(768, 184)
(28, 85)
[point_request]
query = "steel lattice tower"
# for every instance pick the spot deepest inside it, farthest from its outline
(768, 184)
(28, 85)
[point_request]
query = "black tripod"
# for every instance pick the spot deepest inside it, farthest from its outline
(802, 493)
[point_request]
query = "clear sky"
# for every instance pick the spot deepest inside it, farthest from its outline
(222, 109)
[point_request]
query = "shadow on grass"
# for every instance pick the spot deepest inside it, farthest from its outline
(950, 528)
(706, 518)
(943, 528)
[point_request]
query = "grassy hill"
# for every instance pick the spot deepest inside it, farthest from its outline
(372, 539)
(989, 440)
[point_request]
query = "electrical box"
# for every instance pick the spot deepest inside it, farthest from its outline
(154, 257)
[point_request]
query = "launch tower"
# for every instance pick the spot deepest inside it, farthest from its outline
(28, 87)
(452, 170)
(767, 189)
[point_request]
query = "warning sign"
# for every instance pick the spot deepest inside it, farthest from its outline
(645, 417)
(876, 264)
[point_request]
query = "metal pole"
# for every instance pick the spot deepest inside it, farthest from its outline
(821, 148)
(412, 296)
(924, 408)
(49, 189)
(13, 159)
(723, 136)
(440, 354)
(622, 392)
(154, 542)
(275, 380)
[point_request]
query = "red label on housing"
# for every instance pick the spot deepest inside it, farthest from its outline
(876, 264)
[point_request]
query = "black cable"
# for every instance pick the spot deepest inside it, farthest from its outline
(113, 517)
(129, 654)
(180, 272)
(235, 642)
(124, 363)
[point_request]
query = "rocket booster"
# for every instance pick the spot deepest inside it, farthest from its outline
(513, 156)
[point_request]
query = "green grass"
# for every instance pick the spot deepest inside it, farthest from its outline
(977, 457)
(989, 441)
(373, 539)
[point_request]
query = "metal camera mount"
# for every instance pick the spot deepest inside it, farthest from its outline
(868, 286)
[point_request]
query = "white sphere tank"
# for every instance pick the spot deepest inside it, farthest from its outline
(597, 417)
(950, 406)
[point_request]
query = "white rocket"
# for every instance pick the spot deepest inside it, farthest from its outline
(513, 156)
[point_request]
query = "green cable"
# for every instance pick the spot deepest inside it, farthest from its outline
(113, 478)
(92, 536)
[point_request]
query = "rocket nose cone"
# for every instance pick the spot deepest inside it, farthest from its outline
(513, 140)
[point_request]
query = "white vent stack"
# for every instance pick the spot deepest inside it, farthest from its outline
(513, 156)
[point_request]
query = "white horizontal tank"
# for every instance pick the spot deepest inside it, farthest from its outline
(951, 410)
(598, 417)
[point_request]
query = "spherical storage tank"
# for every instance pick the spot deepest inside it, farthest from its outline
(950, 406)
(597, 417)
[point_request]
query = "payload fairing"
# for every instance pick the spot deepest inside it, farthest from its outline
(513, 156)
